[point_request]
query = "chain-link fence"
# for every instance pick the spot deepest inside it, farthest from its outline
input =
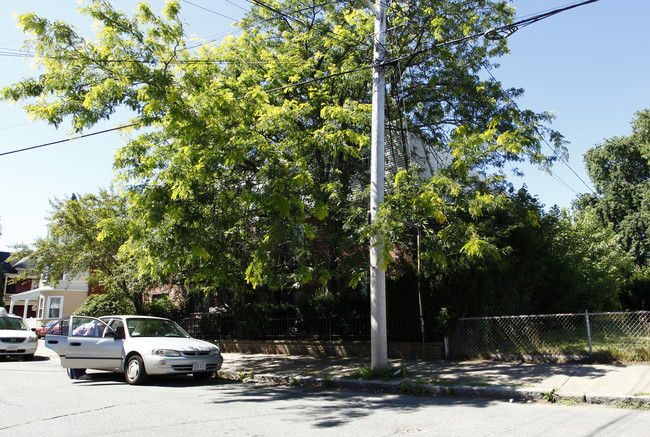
(621, 335)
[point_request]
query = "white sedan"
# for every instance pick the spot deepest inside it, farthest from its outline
(137, 346)
(16, 339)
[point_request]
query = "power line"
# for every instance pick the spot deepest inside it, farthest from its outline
(493, 34)
(210, 10)
(562, 160)
(69, 139)
(494, 31)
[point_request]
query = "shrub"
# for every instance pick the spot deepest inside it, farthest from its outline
(98, 305)
(162, 307)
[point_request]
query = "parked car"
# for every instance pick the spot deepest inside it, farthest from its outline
(137, 346)
(42, 330)
(16, 339)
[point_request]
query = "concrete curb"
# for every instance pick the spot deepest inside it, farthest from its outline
(413, 387)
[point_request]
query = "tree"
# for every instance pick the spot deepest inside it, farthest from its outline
(620, 171)
(85, 236)
(250, 158)
(538, 263)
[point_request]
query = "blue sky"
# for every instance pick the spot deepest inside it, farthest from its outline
(588, 66)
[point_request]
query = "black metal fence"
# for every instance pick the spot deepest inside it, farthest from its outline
(353, 328)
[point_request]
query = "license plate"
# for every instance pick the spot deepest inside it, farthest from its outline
(198, 365)
(12, 348)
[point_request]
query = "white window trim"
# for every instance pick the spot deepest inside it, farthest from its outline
(41, 307)
(49, 307)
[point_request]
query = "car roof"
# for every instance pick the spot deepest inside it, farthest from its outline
(5, 313)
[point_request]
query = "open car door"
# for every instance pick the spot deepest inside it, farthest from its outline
(85, 343)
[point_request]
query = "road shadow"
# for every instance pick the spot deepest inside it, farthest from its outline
(21, 358)
(337, 407)
(99, 378)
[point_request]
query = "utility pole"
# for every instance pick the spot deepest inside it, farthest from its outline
(378, 346)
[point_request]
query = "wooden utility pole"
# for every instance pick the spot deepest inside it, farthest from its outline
(378, 348)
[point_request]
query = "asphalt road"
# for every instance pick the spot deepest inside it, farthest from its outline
(37, 398)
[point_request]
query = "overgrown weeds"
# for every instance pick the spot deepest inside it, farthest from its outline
(385, 374)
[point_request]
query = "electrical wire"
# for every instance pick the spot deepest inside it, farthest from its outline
(560, 158)
(69, 139)
(366, 67)
(209, 10)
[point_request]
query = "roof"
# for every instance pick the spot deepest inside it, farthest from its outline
(5, 266)
(12, 267)
(29, 295)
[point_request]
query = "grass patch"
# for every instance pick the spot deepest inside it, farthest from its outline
(417, 389)
(368, 373)
(244, 376)
(550, 396)
(570, 402)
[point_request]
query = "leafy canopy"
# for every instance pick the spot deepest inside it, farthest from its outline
(248, 161)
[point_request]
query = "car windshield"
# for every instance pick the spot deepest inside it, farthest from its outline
(154, 328)
(13, 323)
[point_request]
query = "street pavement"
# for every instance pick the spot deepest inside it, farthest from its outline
(577, 382)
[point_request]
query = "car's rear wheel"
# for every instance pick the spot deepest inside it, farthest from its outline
(202, 376)
(134, 371)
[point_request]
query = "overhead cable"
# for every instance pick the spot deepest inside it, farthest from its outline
(342, 73)
(69, 139)
(562, 159)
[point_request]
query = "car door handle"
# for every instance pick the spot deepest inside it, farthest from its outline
(53, 342)
(75, 344)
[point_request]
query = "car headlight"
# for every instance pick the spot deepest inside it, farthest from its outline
(31, 339)
(166, 353)
(214, 352)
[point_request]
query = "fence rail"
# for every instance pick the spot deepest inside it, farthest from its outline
(620, 335)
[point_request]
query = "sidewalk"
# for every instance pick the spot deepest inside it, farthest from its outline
(612, 384)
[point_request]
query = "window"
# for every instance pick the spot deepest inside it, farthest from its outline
(118, 326)
(41, 307)
(54, 307)
(87, 327)
(59, 328)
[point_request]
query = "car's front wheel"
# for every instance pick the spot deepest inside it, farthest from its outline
(134, 371)
(75, 373)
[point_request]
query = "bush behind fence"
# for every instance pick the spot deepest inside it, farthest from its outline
(614, 335)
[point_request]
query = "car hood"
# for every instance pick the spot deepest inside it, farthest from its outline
(18, 333)
(175, 343)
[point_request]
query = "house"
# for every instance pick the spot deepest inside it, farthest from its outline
(10, 272)
(37, 301)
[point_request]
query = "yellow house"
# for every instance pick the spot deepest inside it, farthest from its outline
(51, 302)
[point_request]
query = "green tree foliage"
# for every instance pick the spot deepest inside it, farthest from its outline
(98, 305)
(85, 235)
(620, 171)
(249, 160)
(85, 239)
(540, 262)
